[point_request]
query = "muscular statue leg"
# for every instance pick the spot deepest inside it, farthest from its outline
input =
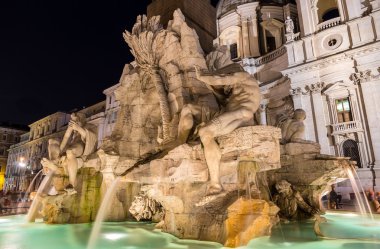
(72, 166)
(213, 156)
(224, 124)
(188, 114)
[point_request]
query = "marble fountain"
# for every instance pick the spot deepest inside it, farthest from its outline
(186, 165)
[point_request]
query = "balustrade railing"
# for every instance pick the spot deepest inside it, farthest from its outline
(329, 24)
(270, 56)
(347, 127)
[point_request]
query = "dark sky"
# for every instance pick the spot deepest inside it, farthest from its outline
(60, 54)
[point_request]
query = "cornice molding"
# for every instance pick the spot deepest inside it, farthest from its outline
(309, 89)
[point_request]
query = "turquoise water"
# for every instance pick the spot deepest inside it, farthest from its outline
(15, 234)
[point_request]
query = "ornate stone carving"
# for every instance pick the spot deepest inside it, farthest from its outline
(144, 41)
(145, 208)
(289, 24)
(296, 91)
(293, 128)
(362, 77)
(292, 205)
(314, 88)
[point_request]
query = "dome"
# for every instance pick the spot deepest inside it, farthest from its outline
(226, 6)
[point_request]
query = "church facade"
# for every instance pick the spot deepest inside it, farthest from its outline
(322, 56)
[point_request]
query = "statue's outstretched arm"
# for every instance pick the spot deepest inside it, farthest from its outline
(65, 139)
(221, 80)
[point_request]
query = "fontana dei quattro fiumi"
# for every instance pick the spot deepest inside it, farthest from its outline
(194, 160)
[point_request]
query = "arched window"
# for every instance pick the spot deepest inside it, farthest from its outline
(330, 14)
(327, 9)
(351, 149)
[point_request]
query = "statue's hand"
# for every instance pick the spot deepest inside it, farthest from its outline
(48, 165)
(74, 125)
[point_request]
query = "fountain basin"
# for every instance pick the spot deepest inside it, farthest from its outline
(359, 232)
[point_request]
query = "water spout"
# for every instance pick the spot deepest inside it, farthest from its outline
(31, 216)
(356, 186)
(30, 185)
(103, 211)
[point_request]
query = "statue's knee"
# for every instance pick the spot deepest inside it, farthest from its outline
(186, 110)
(70, 153)
(205, 134)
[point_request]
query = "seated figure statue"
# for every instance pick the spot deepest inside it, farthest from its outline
(241, 96)
(293, 129)
(291, 202)
(78, 143)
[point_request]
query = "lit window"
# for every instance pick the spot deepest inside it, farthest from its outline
(343, 108)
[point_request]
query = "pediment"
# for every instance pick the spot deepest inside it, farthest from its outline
(338, 86)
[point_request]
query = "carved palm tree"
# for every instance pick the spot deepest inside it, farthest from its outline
(145, 42)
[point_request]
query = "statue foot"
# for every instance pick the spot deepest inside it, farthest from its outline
(214, 189)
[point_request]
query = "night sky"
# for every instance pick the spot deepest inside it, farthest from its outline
(58, 55)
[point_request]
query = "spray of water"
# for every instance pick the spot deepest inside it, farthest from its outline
(30, 217)
(31, 185)
(265, 184)
(358, 189)
(248, 182)
(103, 211)
(366, 200)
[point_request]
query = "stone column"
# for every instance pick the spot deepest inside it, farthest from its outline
(305, 14)
(354, 9)
(254, 37)
(309, 49)
(250, 32)
(319, 116)
(302, 100)
(371, 96)
(245, 38)
(263, 112)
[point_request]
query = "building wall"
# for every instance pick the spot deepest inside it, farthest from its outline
(314, 68)
(8, 137)
(3, 165)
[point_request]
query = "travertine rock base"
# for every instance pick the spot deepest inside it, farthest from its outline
(77, 208)
(309, 172)
(249, 219)
(180, 179)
